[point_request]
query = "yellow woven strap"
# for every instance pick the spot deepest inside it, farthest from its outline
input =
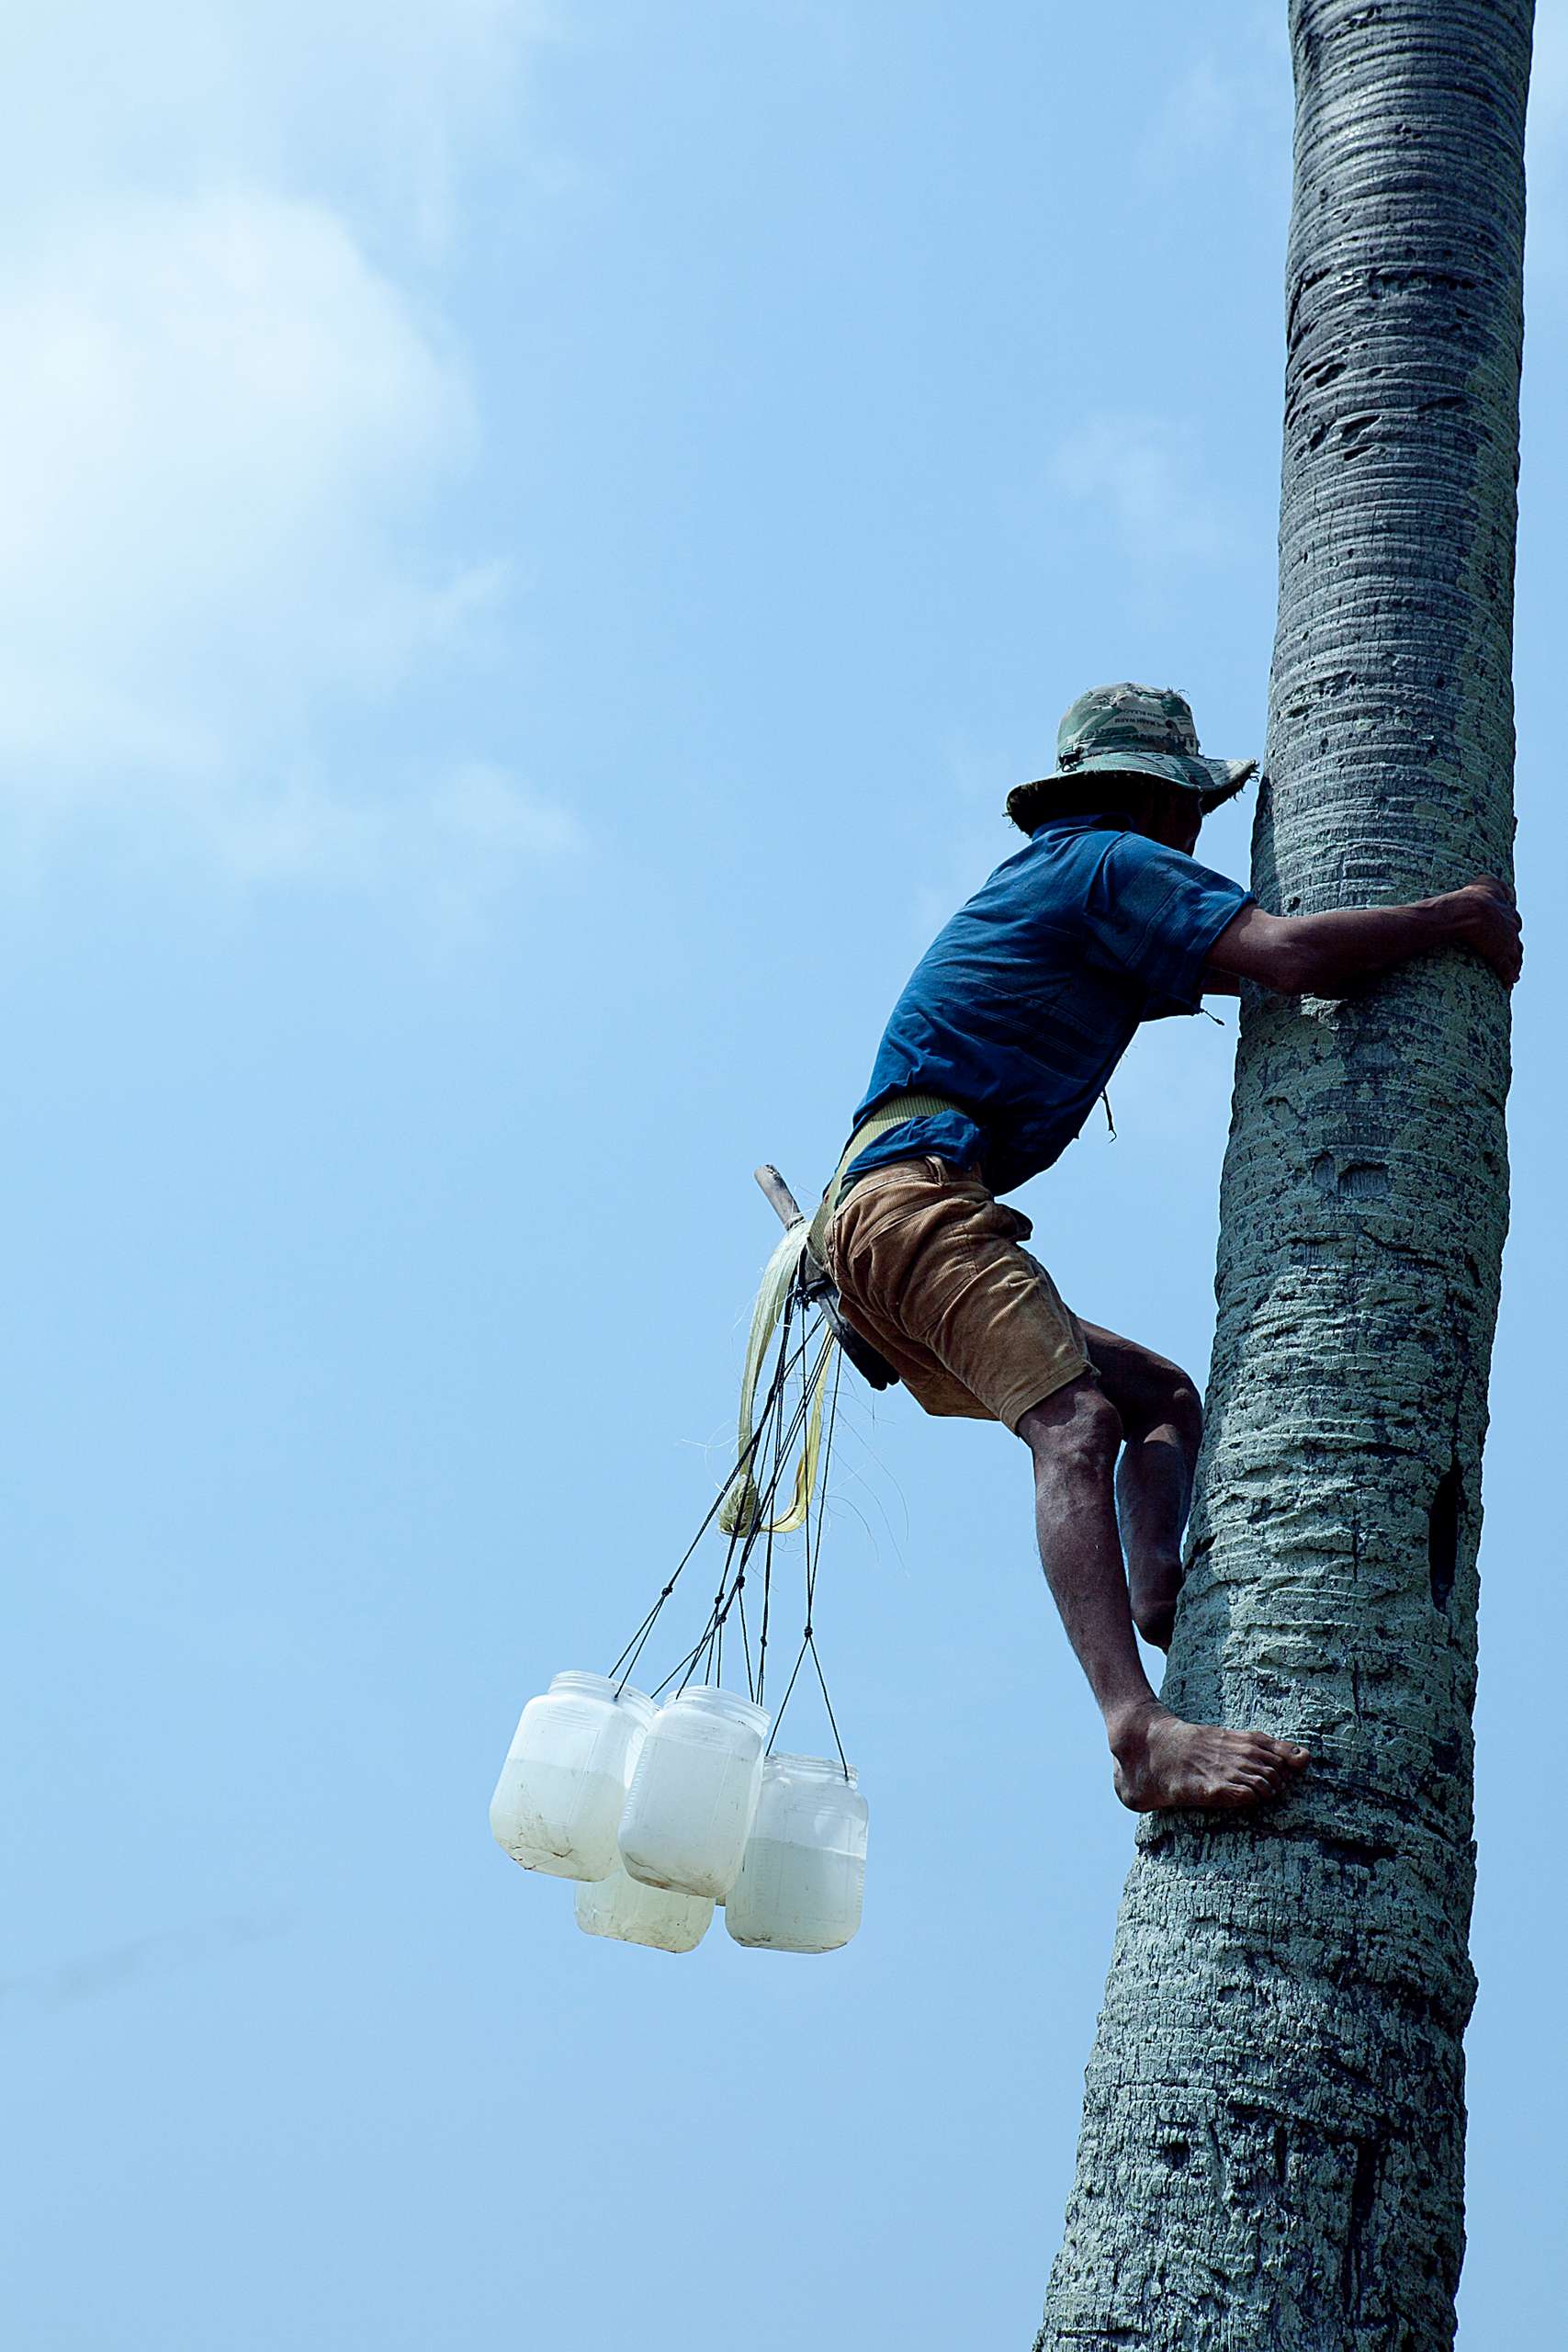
(740, 1513)
(883, 1120)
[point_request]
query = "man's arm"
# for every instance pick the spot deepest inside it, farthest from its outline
(1326, 955)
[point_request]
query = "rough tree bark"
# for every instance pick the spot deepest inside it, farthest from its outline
(1272, 2154)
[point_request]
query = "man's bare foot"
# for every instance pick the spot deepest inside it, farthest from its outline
(1153, 1590)
(1162, 1762)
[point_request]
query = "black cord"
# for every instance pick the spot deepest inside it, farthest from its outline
(769, 1497)
(813, 1557)
(634, 1648)
(776, 1428)
(762, 1526)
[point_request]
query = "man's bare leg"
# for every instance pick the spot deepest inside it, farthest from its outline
(1160, 1761)
(1162, 1424)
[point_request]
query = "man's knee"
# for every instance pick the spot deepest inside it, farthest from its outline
(1184, 1410)
(1078, 1429)
(1165, 1399)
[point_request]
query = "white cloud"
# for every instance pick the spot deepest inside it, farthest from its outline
(1231, 113)
(479, 803)
(223, 418)
(1142, 476)
(232, 415)
(456, 837)
(381, 107)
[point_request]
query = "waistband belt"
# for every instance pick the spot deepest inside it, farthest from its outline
(883, 1120)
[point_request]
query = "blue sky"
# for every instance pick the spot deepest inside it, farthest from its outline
(537, 546)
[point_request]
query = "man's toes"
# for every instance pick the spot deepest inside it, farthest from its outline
(1285, 1752)
(1250, 1771)
(1257, 1768)
(1276, 1753)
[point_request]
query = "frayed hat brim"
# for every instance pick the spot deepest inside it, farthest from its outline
(1213, 781)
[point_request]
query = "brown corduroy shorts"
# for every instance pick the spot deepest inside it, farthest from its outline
(929, 1268)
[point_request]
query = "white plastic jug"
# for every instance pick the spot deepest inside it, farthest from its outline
(695, 1791)
(804, 1874)
(618, 1905)
(557, 1803)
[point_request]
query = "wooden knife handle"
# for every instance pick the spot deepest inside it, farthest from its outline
(778, 1194)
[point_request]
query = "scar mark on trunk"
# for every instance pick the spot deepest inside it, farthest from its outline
(1443, 1518)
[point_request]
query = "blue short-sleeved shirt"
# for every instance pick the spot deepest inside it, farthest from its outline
(1023, 1005)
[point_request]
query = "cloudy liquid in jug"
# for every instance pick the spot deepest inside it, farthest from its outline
(621, 1908)
(705, 1802)
(550, 1809)
(810, 1895)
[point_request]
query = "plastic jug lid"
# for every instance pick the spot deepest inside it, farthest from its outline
(602, 1686)
(711, 1700)
(816, 1767)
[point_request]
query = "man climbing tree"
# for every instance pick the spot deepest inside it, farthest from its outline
(1272, 2144)
(998, 1048)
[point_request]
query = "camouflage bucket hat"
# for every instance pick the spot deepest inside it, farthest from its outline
(1130, 731)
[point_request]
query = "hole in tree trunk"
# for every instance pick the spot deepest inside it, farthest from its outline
(1442, 1534)
(1363, 2199)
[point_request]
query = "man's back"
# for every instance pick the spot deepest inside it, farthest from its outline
(1025, 1001)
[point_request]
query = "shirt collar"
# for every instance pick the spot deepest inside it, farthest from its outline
(1107, 817)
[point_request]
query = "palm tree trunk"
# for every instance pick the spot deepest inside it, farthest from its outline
(1272, 2147)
